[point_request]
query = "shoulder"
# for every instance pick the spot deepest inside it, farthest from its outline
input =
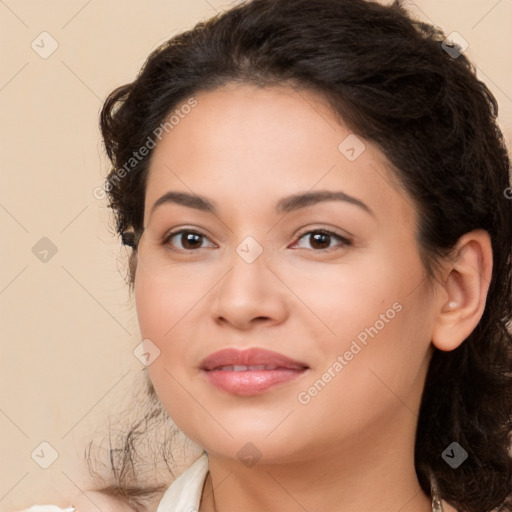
(91, 501)
(88, 501)
(45, 508)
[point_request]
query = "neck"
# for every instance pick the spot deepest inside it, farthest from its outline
(366, 473)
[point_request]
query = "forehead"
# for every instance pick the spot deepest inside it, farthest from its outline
(266, 142)
(251, 121)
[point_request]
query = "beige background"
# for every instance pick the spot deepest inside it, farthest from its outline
(68, 326)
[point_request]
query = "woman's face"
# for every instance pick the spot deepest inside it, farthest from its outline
(336, 285)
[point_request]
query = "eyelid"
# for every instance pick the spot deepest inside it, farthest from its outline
(345, 239)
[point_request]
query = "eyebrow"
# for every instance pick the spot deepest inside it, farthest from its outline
(284, 205)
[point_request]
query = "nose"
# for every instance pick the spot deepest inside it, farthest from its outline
(249, 294)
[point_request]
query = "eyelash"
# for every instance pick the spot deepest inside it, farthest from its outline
(344, 241)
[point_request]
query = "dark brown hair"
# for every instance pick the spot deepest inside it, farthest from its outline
(391, 80)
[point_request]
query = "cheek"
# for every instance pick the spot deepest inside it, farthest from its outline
(161, 311)
(373, 369)
(163, 302)
(168, 312)
(379, 322)
(152, 312)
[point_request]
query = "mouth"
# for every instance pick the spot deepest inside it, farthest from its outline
(250, 372)
(250, 368)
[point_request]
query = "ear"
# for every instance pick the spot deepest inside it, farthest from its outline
(466, 279)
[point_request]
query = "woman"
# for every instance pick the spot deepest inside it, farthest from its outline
(316, 194)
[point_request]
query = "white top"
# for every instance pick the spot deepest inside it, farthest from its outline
(183, 495)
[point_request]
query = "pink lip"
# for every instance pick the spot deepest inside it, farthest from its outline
(249, 382)
(251, 356)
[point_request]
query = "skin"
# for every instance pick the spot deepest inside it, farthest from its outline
(351, 447)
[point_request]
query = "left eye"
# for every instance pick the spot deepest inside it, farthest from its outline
(323, 238)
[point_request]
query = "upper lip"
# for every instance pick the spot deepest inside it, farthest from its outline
(249, 357)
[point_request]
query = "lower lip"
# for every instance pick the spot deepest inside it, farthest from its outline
(249, 382)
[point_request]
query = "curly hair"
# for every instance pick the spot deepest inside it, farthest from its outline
(388, 77)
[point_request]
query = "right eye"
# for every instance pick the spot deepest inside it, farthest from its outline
(189, 240)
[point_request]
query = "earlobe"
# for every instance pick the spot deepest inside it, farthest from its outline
(466, 283)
